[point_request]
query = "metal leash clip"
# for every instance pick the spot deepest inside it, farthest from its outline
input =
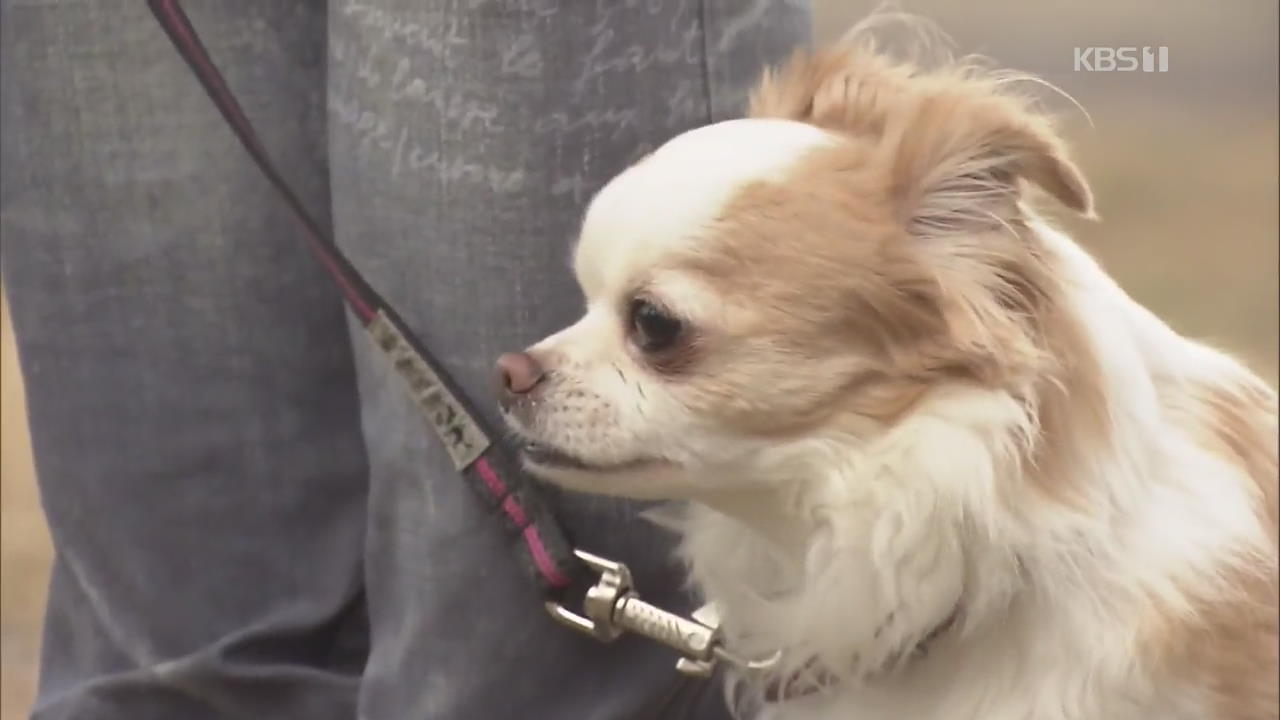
(612, 607)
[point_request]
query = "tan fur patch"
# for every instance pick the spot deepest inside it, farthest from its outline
(1230, 643)
(1241, 417)
(1226, 646)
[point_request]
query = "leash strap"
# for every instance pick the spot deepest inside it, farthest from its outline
(611, 607)
(539, 541)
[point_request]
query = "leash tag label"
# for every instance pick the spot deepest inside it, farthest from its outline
(462, 438)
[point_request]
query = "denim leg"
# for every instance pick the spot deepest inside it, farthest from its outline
(189, 374)
(465, 140)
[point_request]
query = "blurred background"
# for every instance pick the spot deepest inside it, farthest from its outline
(1183, 164)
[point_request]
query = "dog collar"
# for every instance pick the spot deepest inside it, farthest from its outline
(813, 680)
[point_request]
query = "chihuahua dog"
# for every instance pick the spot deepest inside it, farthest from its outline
(923, 445)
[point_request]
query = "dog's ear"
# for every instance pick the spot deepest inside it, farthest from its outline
(846, 88)
(957, 143)
(958, 159)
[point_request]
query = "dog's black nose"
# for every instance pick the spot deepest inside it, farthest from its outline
(518, 373)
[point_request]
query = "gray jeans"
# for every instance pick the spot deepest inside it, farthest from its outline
(250, 519)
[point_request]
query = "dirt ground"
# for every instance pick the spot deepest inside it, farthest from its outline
(1184, 171)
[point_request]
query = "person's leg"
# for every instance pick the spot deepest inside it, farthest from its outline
(465, 140)
(189, 375)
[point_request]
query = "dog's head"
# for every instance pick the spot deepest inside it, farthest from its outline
(806, 273)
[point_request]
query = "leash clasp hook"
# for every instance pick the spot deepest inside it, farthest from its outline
(613, 607)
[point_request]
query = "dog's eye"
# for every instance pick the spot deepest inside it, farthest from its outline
(652, 329)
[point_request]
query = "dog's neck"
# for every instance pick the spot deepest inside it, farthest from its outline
(852, 568)
(775, 553)
(854, 564)
(780, 545)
